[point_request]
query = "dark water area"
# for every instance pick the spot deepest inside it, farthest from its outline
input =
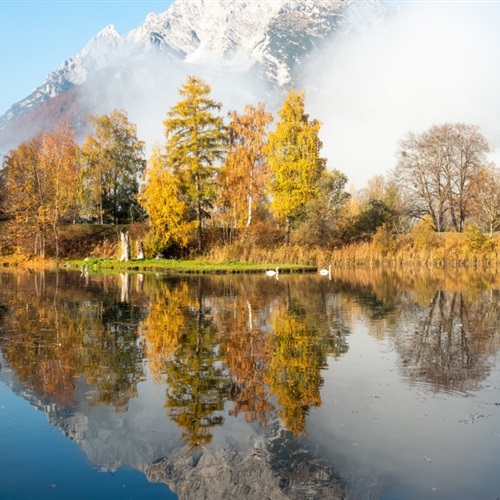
(367, 385)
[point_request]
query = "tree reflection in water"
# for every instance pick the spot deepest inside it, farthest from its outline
(238, 344)
(444, 326)
(56, 331)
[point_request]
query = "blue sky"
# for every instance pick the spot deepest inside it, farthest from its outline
(37, 36)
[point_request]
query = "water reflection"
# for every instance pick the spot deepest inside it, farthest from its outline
(211, 340)
(444, 325)
(218, 340)
(235, 360)
(55, 330)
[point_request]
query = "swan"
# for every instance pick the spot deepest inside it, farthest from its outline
(326, 272)
(272, 273)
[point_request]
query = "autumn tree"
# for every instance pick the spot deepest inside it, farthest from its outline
(168, 212)
(2, 193)
(41, 183)
(439, 171)
(59, 159)
(113, 160)
(489, 199)
(198, 384)
(245, 171)
(376, 209)
(195, 140)
(293, 154)
(322, 214)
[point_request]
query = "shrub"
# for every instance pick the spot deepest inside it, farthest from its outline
(475, 240)
(424, 236)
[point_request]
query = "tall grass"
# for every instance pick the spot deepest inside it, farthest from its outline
(450, 250)
(429, 250)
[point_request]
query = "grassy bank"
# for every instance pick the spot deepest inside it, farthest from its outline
(195, 266)
(471, 249)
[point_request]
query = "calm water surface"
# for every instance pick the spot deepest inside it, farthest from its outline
(368, 385)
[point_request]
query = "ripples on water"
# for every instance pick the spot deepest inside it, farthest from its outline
(366, 385)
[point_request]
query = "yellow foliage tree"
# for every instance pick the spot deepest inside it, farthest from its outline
(168, 213)
(244, 174)
(293, 154)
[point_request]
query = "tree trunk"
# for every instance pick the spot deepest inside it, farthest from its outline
(199, 231)
(140, 250)
(249, 219)
(125, 247)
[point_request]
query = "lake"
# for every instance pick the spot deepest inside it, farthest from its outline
(371, 384)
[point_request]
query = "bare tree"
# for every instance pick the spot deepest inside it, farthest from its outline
(440, 172)
(489, 199)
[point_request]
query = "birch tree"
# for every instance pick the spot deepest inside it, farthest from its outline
(245, 171)
(168, 213)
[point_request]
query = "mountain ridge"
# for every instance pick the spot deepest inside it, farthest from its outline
(268, 39)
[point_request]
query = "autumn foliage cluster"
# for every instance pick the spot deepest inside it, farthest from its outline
(251, 181)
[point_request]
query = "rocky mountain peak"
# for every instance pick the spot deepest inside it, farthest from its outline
(267, 38)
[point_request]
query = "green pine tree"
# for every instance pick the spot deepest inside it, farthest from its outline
(113, 160)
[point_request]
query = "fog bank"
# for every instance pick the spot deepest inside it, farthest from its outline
(429, 63)
(379, 78)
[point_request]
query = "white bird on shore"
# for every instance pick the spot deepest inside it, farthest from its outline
(270, 272)
(326, 272)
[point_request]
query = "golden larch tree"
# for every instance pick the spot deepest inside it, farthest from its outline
(196, 141)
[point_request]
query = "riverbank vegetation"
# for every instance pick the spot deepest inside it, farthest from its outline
(250, 189)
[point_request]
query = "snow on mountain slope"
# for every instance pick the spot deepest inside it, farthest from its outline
(99, 52)
(268, 35)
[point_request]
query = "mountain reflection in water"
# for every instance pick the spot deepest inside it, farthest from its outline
(240, 386)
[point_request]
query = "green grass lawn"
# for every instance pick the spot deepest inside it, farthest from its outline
(173, 266)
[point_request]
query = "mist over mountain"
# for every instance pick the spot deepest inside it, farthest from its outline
(372, 71)
(266, 39)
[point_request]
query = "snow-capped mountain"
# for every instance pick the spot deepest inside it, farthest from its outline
(97, 53)
(269, 38)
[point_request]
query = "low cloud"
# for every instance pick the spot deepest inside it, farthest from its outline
(427, 63)
(381, 77)
(147, 87)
